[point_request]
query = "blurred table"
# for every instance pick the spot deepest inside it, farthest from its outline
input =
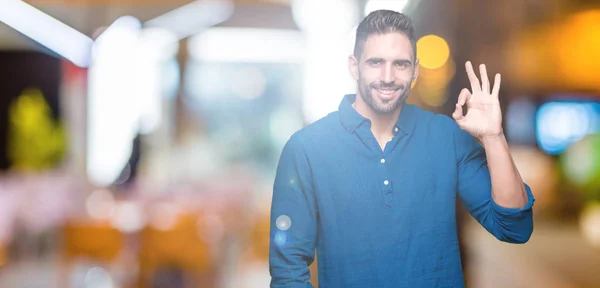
(556, 256)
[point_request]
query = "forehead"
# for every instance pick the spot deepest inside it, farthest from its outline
(392, 45)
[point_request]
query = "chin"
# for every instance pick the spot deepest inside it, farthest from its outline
(389, 106)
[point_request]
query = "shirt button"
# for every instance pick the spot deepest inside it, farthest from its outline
(382, 161)
(396, 129)
(386, 182)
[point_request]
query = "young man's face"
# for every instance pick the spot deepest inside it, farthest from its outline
(385, 71)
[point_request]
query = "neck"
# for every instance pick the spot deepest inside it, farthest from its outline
(382, 124)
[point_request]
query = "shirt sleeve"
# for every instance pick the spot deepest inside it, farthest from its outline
(513, 225)
(293, 219)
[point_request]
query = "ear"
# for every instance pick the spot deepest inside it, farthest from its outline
(416, 71)
(353, 67)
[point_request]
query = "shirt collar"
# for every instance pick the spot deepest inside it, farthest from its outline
(351, 119)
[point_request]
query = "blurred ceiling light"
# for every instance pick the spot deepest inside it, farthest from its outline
(159, 43)
(121, 24)
(46, 30)
(394, 5)
(329, 41)
(113, 117)
(247, 45)
(315, 15)
(156, 47)
(433, 51)
(123, 31)
(192, 18)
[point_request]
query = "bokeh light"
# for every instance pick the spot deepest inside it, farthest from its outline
(100, 204)
(581, 163)
(98, 277)
(128, 217)
(432, 51)
(578, 49)
(280, 238)
(283, 222)
(589, 222)
(165, 216)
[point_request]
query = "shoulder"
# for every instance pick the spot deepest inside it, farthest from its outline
(442, 130)
(321, 130)
(440, 124)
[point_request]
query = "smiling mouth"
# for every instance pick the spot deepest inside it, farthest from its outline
(386, 91)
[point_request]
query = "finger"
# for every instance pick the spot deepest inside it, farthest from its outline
(485, 81)
(458, 113)
(496, 89)
(475, 86)
(464, 96)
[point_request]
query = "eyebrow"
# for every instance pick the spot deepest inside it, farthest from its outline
(374, 59)
(404, 61)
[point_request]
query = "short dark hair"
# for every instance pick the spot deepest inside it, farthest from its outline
(381, 22)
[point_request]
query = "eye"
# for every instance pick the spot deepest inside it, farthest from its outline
(375, 62)
(402, 64)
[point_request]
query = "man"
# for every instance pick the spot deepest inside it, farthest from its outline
(372, 187)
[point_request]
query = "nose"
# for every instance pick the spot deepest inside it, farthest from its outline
(387, 74)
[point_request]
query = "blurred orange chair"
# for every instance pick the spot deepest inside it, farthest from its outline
(177, 246)
(259, 239)
(3, 257)
(97, 241)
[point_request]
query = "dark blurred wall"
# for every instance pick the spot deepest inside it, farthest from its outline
(20, 70)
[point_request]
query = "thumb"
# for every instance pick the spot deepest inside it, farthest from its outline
(458, 113)
(458, 116)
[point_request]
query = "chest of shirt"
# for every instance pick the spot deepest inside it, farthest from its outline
(412, 182)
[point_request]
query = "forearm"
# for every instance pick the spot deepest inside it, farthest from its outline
(293, 220)
(508, 189)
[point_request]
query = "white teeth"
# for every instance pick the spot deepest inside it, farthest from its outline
(386, 91)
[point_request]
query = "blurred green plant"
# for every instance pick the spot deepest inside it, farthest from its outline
(581, 165)
(35, 140)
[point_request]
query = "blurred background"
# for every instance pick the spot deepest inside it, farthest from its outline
(139, 138)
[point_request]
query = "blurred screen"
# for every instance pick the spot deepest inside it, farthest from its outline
(560, 123)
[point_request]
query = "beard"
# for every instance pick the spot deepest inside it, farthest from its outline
(385, 104)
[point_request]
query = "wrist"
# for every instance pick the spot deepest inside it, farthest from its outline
(488, 140)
